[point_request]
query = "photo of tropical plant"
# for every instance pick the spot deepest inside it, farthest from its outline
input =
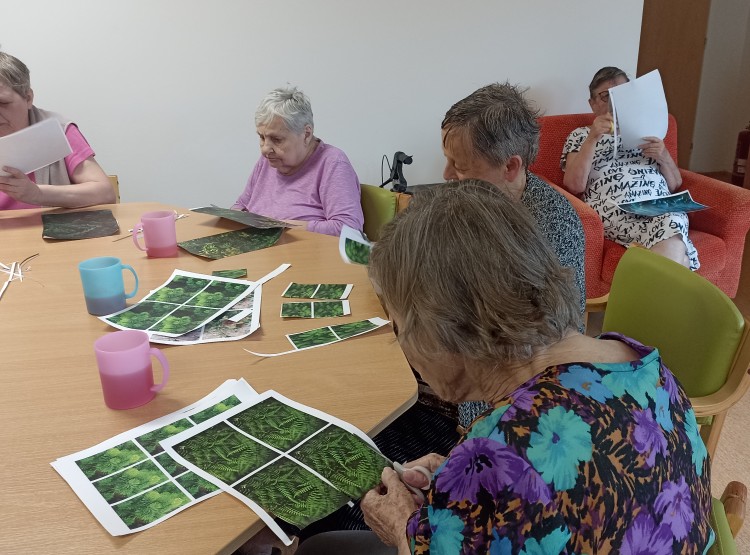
(232, 243)
(130, 482)
(195, 485)
(300, 290)
(141, 316)
(179, 289)
(169, 464)
(330, 291)
(247, 218)
(218, 408)
(327, 309)
(151, 506)
(276, 423)
(110, 461)
(312, 338)
(345, 460)
(219, 294)
(290, 492)
(296, 310)
(344, 331)
(224, 452)
(356, 252)
(150, 441)
(184, 319)
(232, 274)
(79, 225)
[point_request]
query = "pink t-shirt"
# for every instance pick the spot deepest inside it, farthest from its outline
(81, 151)
(324, 192)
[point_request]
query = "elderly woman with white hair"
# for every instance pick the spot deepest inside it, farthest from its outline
(74, 181)
(299, 177)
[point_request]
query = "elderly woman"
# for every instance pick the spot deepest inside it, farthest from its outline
(590, 165)
(75, 181)
(299, 177)
(591, 445)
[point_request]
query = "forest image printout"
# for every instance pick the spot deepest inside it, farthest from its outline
(282, 459)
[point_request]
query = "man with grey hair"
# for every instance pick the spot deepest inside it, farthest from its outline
(493, 135)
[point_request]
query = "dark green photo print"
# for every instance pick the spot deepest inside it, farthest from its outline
(232, 274)
(150, 441)
(179, 289)
(326, 309)
(169, 464)
(142, 315)
(300, 290)
(79, 225)
(151, 506)
(313, 338)
(232, 243)
(219, 294)
(330, 291)
(130, 482)
(184, 319)
(351, 329)
(290, 492)
(296, 310)
(357, 252)
(276, 424)
(225, 453)
(344, 459)
(218, 408)
(111, 460)
(195, 485)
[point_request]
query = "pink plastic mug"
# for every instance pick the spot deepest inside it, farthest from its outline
(159, 234)
(124, 359)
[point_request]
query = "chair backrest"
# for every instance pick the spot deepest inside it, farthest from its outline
(554, 130)
(379, 207)
(116, 186)
(696, 327)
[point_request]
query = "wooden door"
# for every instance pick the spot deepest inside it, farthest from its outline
(673, 37)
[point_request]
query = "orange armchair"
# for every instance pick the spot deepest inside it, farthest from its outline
(718, 233)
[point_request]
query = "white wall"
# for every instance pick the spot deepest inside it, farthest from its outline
(165, 90)
(724, 98)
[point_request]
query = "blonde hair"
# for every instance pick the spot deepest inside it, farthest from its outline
(467, 272)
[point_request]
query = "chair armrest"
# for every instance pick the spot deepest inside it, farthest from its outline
(728, 215)
(734, 500)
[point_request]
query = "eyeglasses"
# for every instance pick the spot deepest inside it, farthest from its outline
(603, 95)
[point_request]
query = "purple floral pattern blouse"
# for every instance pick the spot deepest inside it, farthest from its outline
(583, 458)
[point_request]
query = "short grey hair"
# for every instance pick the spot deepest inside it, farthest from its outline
(499, 123)
(288, 103)
(609, 73)
(468, 272)
(15, 74)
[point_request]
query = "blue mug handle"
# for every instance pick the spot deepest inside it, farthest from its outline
(135, 289)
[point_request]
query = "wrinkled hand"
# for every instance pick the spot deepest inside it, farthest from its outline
(19, 187)
(417, 479)
(653, 147)
(387, 508)
(602, 125)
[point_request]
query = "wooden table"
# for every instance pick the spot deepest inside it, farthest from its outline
(52, 403)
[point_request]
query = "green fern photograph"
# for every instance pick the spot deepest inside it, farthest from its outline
(296, 310)
(312, 338)
(184, 319)
(130, 481)
(151, 506)
(110, 461)
(179, 289)
(330, 291)
(344, 331)
(150, 441)
(142, 315)
(195, 485)
(277, 424)
(300, 290)
(218, 408)
(357, 252)
(169, 464)
(328, 309)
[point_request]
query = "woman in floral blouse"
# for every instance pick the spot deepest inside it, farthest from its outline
(591, 445)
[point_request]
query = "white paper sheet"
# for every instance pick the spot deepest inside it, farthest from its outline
(34, 147)
(640, 110)
(145, 452)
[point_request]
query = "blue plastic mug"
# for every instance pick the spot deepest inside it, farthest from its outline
(103, 285)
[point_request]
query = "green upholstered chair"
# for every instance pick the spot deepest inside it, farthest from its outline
(379, 207)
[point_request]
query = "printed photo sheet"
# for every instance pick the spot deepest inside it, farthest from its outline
(281, 458)
(333, 291)
(184, 303)
(326, 335)
(317, 309)
(129, 483)
(678, 202)
(354, 247)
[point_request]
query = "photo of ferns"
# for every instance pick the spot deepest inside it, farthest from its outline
(179, 289)
(169, 464)
(184, 319)
(330, 291)
(357, 252)
(233, 274)
(276, 424)
(130, 481)
(345, 460)
(110, 461)
(287, 490)
(219, 294)
(151, 506)
(344, 331)
(150, 441)
(142, 315)
(224, 453)
(296, 310)
(232, 243)
(218, 408)
(300, 290)
(195, 485)
(312, 338)
(327, 309)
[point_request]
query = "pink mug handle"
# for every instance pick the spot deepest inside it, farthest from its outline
(164, 368)
(138, 228)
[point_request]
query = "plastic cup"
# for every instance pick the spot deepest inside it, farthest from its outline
(103, 285)
(124, 360)
(159, 234)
